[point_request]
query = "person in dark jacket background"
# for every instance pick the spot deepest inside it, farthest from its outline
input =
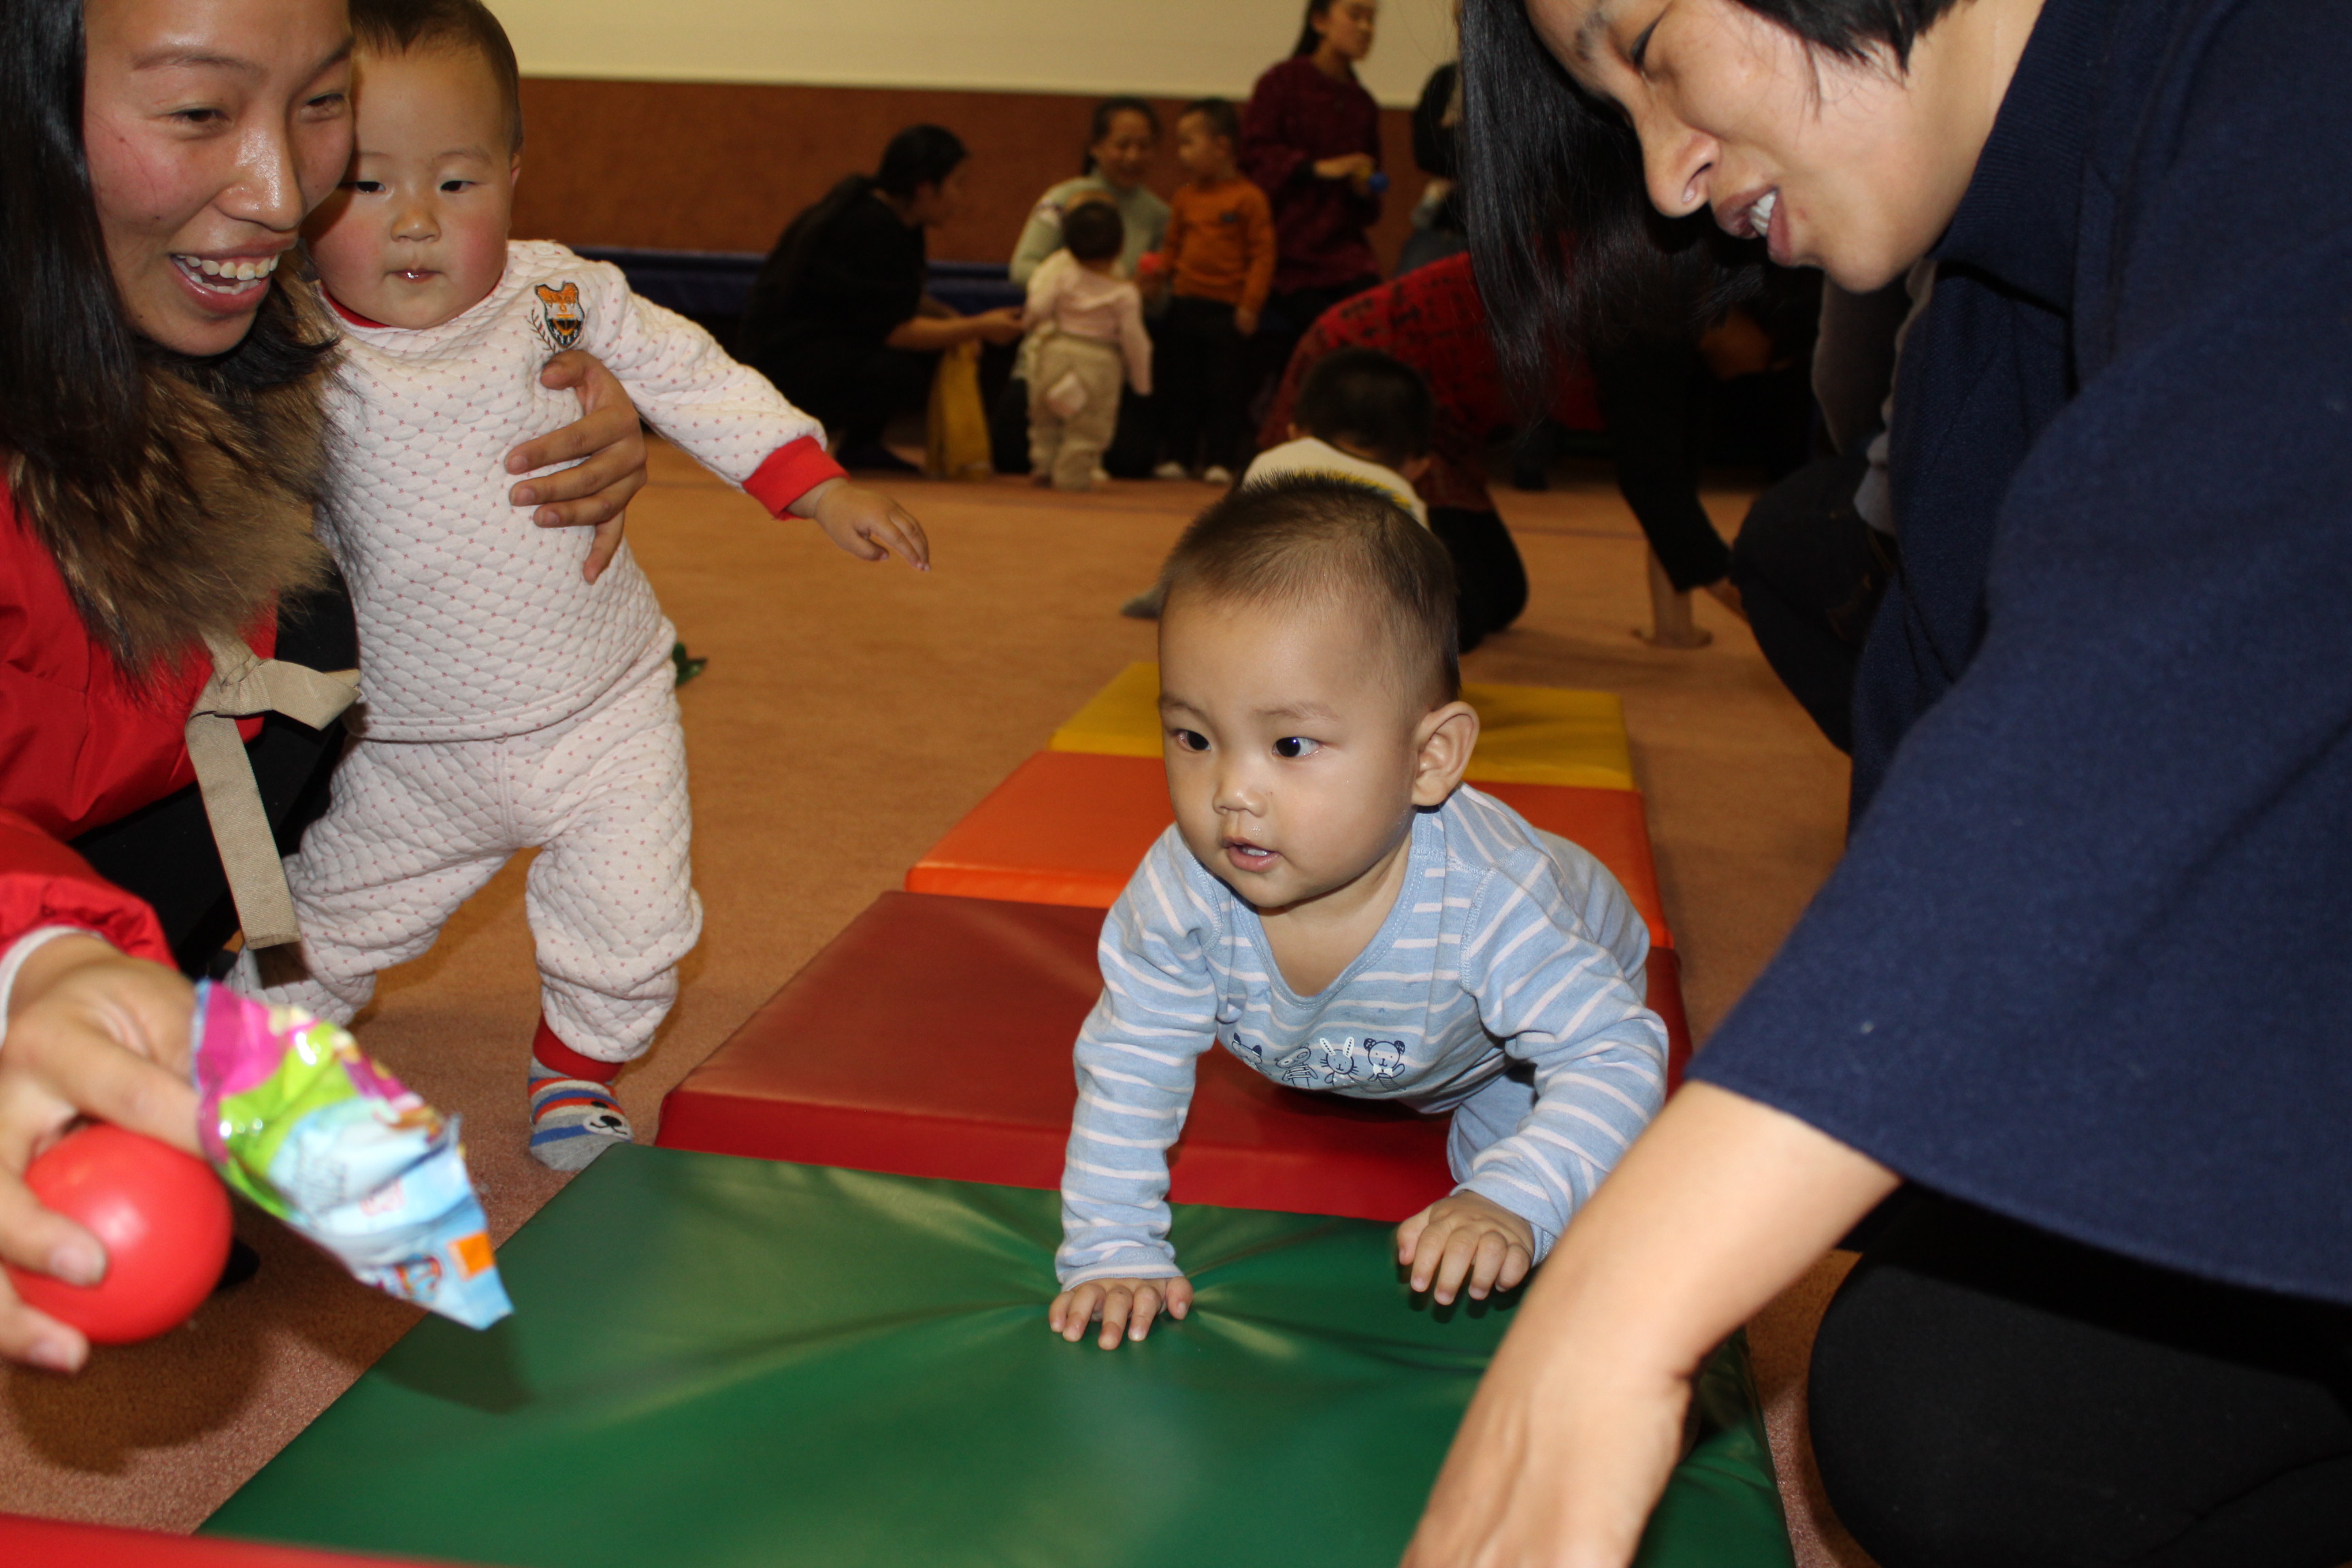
(1311, 141)
(2080, 978)
(838, 317)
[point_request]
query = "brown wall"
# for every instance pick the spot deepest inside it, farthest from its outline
(723, 166)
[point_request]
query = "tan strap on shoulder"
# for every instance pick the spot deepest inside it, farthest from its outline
(241, 685)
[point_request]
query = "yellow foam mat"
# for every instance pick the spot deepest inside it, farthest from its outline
(1526, 734)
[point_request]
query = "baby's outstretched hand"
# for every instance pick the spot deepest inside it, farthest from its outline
(1465, 1236)
(1126, 1307)
(866, 524)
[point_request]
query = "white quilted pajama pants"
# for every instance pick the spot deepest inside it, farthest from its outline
(417, 827)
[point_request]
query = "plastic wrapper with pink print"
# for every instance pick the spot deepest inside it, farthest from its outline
(294, 1117)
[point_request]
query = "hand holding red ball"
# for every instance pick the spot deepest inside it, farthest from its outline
(162, 1216)
(90, 1032)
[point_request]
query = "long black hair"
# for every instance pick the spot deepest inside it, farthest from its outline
(72, 390)
(1568, 248)
(1108, 109)
(1310, 40)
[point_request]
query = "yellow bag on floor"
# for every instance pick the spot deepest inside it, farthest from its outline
(955, 437)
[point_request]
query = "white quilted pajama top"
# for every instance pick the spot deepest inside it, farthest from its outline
(507, 703)
(474, 621)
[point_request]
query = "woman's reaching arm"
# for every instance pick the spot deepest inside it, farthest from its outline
(1578, 1423)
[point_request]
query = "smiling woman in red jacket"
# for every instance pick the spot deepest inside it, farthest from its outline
(159, 419)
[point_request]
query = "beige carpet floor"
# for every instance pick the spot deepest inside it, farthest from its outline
(850, 714)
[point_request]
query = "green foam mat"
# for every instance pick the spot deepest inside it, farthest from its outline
(717, 1362)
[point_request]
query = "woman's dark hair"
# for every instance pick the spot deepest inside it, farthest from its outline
(1310, 40)
(73, 398)
(1437, 146)
(1108, 109)
(1371, 400)
(918, 155)
(1568, 248)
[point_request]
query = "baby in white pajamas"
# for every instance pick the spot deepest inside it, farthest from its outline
(511, 700)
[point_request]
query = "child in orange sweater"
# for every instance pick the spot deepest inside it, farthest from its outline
(1219, 256)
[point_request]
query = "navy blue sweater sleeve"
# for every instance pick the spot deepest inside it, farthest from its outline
(2082, 962)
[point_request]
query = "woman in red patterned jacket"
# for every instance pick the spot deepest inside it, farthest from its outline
(159, 422)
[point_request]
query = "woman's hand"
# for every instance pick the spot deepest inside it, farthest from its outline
(1356, 166)
(90, 1032)
(1577, 1422)
(865, 522)
(594, 493)
(1126, 1307)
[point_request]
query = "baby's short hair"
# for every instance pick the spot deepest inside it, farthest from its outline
(400, 26)
(1311, 538)
(1371, 400)
(1094, 231)
(1224, 118)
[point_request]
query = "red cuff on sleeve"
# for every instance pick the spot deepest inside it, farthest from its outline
(791, 473)
(44, 883)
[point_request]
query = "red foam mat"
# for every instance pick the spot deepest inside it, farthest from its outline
(1070, 827)
(932, 1038)
(30, 1541)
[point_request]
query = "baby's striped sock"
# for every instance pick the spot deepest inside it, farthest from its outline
(574, 1116)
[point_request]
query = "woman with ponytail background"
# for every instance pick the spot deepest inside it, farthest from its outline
(1311, 140)
(161, 368)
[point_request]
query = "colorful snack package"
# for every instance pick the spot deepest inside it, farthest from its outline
(294, 1117)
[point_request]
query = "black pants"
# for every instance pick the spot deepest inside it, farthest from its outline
(1197, 375)
(1490, 580)
(1654, 398)
(1987, 1396)
(855, 387)
(1811, 573)
(165, 853)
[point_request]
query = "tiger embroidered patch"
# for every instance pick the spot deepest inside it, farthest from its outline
(561, 320)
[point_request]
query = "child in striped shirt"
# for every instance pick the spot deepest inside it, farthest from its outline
(1336, 908)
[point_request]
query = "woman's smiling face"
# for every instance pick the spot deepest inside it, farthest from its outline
(1855, 167)
(212, 127)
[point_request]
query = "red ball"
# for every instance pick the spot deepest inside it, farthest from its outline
(162, 1216)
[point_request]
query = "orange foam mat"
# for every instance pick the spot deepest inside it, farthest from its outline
(1070, 827)
(29, 1542)
(932, 1038)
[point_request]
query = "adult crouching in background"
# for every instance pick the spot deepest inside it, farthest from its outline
(839, 319)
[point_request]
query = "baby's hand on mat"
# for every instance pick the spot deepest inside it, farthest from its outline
(866, 524)
(1465, 1236)
(1125, 1306)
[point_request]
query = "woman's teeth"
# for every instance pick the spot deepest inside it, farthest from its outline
(225, 273)
(1759, 216)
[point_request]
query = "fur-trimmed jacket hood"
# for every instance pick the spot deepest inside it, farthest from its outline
(210, 524)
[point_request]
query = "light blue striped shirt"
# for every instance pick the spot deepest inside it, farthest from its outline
(1504, 986)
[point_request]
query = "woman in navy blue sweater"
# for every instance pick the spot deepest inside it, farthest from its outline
(2079, 986)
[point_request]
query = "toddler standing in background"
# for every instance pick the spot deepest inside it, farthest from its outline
(1089, 323)
(1336, 908)
(511, 700)
(1220, 262)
